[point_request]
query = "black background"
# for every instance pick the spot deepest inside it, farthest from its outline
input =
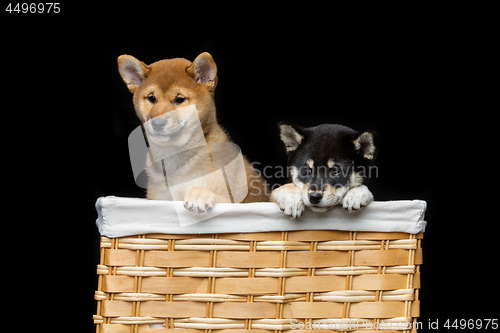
(422, 86)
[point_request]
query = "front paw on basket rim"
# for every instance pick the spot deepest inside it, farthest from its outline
(199, 200)
(291, 208)
(357, 198)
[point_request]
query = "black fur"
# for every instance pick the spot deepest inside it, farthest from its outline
(329, 141)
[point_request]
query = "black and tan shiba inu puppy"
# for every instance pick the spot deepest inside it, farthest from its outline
(329, 165)
(172, 98)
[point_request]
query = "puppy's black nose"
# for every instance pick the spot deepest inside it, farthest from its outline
(158, 124)
(315, 197)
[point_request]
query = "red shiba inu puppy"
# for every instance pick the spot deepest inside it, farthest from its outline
(173, 98)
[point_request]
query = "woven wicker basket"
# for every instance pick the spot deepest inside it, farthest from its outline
(262, 281)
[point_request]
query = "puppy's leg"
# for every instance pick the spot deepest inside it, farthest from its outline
(199, 200)
(357, 197)
(289, 199)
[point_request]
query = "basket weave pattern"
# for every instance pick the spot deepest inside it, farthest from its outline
(262, 282)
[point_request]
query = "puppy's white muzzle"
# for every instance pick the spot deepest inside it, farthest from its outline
(175, 128)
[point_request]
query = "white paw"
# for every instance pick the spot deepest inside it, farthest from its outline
(357, 198)
(199, 200)
(289, 199)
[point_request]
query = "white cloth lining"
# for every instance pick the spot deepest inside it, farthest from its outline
(119, 217)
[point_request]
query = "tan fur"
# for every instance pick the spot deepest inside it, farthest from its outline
(365, 141)
(310, 163)
(167, 80)
(332, 195)
(290, 137)
(294, 197)
(289, 199)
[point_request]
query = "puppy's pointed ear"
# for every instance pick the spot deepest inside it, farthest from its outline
(291, 135)
(133, 71)
(365, 144)
(203, 70)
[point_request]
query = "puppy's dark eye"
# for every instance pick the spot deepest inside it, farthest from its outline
(334, 171)
(151, 98)
(179, 100)
(309, 171)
